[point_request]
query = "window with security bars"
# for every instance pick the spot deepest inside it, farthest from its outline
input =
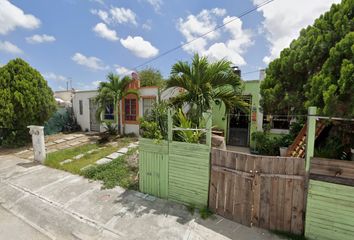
(130, 109)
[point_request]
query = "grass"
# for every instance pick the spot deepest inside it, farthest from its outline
(205, 213)
(116, 173)
(53, 159)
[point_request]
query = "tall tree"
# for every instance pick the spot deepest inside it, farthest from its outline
(151, 77)
(204, 83)
(25, 99)
(288, 83)
(113, 91)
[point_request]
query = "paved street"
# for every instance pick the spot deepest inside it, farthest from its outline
(37, 202)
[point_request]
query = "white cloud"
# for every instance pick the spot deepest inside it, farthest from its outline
(123, 15)
(156, 4)
(9, 47)
(104, 32)
(55, 77)
(139, 47)
(236, 43)
(12, 17)
(122, 70)
(284, 20)
(220, 12)
(98, 1)
(147, 25)
(96, 83)
(40, 39)
(103, 15)
(92, 63)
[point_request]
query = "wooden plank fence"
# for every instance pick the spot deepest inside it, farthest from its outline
(330, 202)
(261, 191)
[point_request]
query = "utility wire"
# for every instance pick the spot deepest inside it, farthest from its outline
(204, 34)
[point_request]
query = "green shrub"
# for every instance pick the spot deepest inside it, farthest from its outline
(154, 124)
(264, 144)
(190, 136)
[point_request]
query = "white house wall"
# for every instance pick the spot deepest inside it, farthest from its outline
(84, 119)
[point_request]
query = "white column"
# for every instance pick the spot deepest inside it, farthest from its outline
(37, 133)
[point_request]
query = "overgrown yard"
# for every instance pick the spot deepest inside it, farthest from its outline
(82, 160)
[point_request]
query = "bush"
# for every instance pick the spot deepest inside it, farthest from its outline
(264, 144)
(154, 124)
(25, 99)
(111, 128)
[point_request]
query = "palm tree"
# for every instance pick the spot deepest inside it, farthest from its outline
(113, 91)
(205, 83)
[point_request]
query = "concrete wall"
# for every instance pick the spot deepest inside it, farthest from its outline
(84, 119)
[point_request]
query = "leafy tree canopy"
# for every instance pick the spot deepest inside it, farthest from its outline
(151, 77)
(317, 68)
(25, 99)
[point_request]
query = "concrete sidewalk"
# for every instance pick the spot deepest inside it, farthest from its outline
(59, 205)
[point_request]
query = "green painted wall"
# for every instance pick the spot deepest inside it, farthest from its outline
(220, 118)
(253, 88)
(329, 211)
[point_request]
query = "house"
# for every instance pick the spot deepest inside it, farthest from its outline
(132, 108)
(237, 124)
(64, 98)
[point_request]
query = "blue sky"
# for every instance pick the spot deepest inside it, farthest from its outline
(83, 40)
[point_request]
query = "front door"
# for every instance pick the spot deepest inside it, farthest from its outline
(94, 124)
(239, 126)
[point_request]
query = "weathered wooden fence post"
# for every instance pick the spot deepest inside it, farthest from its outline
(310, 136)
(208, 126)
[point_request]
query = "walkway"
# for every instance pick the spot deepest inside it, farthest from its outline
(60, 205)
(60, 141)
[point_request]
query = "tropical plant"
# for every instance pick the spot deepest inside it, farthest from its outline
(113, 91)
(25, 99)
(111, 128)
(204, 83)
(316, 69)
(190, 136)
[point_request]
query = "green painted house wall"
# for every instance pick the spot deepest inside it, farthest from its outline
(220, 117)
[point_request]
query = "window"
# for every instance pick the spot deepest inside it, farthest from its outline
(130, 109)
(147, 105)
(80, 107)
(276, 122)
(109, 112)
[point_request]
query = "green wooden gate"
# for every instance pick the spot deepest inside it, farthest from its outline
(178, 171)
(153, 167)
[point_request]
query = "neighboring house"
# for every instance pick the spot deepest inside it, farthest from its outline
(132, 108)
(64, 98)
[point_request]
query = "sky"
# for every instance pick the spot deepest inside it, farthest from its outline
(80, 41)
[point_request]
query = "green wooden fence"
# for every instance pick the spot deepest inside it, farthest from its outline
(330, 211)
(177, 171)
(153, 167)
